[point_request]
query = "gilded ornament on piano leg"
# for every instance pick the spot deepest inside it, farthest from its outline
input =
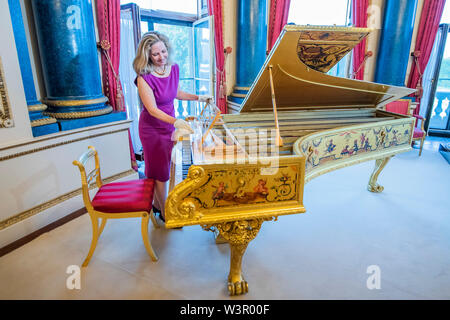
(238, 234)
(373, 186)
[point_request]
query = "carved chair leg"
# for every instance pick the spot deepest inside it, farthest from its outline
(421, 145)
(373, 186)
(102, 226)
(152, 217)
(144, 231)
(95, 236)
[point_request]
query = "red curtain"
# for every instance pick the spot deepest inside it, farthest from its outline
(215, 9)
(278, 16)
(428, 26)
(359, 19)
(108, 23)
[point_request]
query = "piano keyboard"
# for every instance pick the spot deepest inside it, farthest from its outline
(186, 161)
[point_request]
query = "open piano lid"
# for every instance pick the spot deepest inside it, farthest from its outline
(299, 59)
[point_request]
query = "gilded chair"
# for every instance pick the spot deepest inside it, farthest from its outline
(402, 106)
(115, 200)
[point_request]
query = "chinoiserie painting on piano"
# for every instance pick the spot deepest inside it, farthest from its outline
(296, 122)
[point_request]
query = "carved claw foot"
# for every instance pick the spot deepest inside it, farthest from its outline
(237, 288)
(375, 188)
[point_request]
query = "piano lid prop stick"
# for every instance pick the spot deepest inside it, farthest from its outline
(278, 140)
(212, 124)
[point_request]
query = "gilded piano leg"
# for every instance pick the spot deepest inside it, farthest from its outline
(373, 186)
(239, 234)
(236, 282)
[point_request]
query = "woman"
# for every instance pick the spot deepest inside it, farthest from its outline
(157, 83)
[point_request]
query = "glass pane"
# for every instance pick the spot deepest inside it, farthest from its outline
(441, 110)
(202, 50)
(144, 27)
(202, 87)
(341, 68)
(180, 38)
(427, 79)
(187, 85)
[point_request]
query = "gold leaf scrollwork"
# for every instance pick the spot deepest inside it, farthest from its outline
(241, 231)
(195, 173)
(179, 205)
(186, 210)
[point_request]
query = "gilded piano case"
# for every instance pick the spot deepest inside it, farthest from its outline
(295, 123)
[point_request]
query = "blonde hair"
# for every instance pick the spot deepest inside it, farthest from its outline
(142, 62)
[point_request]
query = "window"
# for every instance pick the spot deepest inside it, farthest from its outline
(192, 43)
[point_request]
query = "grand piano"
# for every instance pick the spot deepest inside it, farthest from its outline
(296, 122)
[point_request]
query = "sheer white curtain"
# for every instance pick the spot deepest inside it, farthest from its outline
(127, 76)
(427, 79)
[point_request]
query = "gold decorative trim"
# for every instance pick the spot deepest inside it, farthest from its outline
(20, 154)
(239, 95)
(46, 205)
(60, 134)
(241, 88)
(73, 103)
(333, 86)
(77, 115)
(327, 28)
(41, 122)
(5, 112)
(37, 107)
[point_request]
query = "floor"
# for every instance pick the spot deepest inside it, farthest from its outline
(325, 253)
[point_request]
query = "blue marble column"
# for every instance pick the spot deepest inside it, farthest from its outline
(40, 124)
(251, 44)
(67, 45)
(395, 41)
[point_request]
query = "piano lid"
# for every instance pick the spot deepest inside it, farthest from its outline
(299, 59)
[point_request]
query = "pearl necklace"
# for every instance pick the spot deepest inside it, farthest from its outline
(160, 73)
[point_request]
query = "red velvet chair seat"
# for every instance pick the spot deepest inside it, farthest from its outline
(418, 133)
(126, 196)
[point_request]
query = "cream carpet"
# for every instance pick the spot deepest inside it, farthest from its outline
(321, 254)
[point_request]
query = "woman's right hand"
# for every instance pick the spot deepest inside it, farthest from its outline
(181, 124)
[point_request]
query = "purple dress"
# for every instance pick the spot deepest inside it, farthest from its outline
(156, 134)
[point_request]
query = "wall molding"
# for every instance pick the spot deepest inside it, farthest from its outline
(23, 153)
(46, 205)
(5, 112)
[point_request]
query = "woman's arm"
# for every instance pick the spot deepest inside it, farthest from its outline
(148, 99)
(181, 95)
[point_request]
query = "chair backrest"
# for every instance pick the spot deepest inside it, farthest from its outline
(400, 106)
(94, 176)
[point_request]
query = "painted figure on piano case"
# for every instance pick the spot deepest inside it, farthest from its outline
(158, 85)
(330, 146)
(261, 188)
(219, 193)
